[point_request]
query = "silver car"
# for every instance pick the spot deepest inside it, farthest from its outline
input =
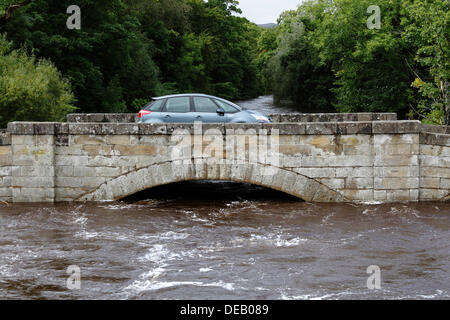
(197, 107)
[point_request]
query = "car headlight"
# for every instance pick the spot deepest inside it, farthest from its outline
(260, 117)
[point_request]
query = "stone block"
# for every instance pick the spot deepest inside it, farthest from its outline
(5, 150)
(152, 129)
(87, 140)
(120, 117)
(33, 182)
(5, 171)
(358, 183)
(445, 184)
(88, 117)
(70, 150)
(430, 183)
(396, 172)
(44, 128)
(324, 194)
(365, 149)
(396, 183)
(288, 184)
(136, 150)
(380, 195)
(333, 183)
(395, 160)
(93, 129)
(429, 161)
(83, 171)
(74, 160)
(358, 194)
(23, 195)
(107, 171)
(305, 187)
(67, 194)
(392, 127)
(120, 128)
(118, 139)
(430, 172)
(359, 172)
(5, 138)
(64, 171)
(323, 128)
(347, 128)
(21, 128)
(435, 139)
(284, 128)
(398, 195)
(432, 194)
(317, 172)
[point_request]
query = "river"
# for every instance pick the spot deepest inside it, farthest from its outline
(218, 240)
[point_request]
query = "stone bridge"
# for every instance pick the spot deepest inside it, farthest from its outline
(316, 157)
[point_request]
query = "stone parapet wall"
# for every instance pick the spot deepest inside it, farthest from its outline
(5, 166)
(102, 117)
(290, 117)
(301, 128)
(385, 161)
(427, 128)
(434, 165)
(333, 117)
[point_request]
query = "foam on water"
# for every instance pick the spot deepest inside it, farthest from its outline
(274, 240)
(150, 285)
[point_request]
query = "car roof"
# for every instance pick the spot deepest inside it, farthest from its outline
(183, 95)
(196, 95)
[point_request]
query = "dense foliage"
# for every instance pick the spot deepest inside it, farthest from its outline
(326, 57)
(320, 57)
(31, 89)
(128, 51)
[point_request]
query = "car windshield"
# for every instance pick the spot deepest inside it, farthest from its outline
(227, 107)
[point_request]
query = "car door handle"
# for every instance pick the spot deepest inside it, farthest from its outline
(198, 117)
(167, 116)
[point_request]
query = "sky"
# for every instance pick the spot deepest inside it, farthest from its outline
(266, 11)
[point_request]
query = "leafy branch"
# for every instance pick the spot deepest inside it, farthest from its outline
(8, 11)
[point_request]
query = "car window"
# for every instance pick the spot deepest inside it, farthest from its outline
(225, 106)
(204, 105)
(155, 106)
(178, 105)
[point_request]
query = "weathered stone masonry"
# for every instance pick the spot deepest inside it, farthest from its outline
(370, 158)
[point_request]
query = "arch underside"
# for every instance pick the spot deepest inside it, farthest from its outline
(283, 180)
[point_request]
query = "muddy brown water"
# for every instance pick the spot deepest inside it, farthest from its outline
(218, 240)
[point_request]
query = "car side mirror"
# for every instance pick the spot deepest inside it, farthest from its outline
(220, 111)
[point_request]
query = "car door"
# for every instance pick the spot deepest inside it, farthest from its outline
(177, 109)
(206, 110)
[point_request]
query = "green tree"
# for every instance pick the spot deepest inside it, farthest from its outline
(266, 49)
(327, 54)
(108, 53)
(369, 64)
(427, 30)
(30, 88)
(7, 7)
(130, 50)
(299, 75)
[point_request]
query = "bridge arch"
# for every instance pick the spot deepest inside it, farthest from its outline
(154, 175)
